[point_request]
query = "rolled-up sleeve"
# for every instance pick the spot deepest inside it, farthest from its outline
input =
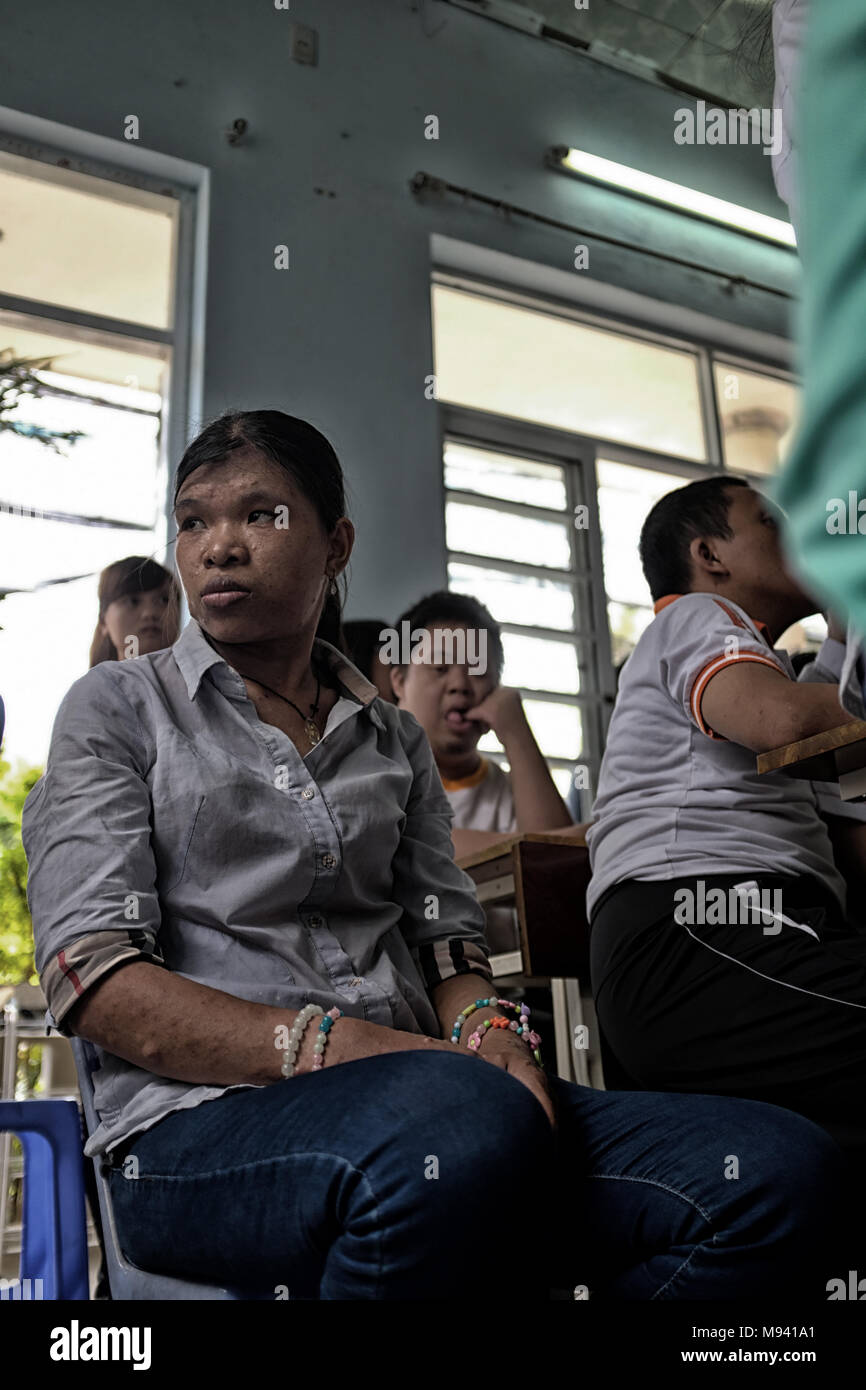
(442, 923)
(702, 636)
(86, 831)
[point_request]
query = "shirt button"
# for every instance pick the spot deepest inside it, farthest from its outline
(308, 793)
(328, 861)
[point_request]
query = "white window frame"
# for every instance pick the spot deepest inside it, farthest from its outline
(708, 342)
(590, 637)
(126, 165)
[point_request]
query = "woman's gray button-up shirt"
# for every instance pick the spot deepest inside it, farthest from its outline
(172, 825)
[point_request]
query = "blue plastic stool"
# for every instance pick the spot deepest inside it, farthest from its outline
(54, 1235)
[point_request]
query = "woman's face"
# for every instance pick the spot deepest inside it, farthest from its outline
(141, 623)
(251, 551)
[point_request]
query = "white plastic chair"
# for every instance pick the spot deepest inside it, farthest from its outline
(126, 1280)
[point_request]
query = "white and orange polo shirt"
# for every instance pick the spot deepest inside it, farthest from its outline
(675, 800)
(483, 800)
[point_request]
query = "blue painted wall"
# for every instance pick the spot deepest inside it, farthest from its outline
(344, 336)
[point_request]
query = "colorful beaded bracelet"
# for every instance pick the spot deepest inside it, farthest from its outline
(500, 1021)
(290, 1056)
(521, 1009)
(532, 1040)
(325, 1027)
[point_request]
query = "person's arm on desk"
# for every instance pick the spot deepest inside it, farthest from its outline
(762, 708)
(467, 841)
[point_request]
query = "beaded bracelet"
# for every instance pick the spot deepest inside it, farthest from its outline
(521, 1009)
(325, 1027)
(290, 1056)
(532, 1040)
(500, 1021)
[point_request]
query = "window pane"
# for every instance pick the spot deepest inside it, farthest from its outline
(124, 371)
(489, 743)
(625, 495)
(500, 475)
(86, 243)
(110, 472)
(38, 673)
(520, 362)
(481, 531)
(45, 636)
(516, 598)
(562, 780)
(536, 663)
(33, 550)
(758, 415)
(558, 730)
(627, 625)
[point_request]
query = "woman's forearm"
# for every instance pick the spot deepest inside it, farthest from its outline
(454, 994)
(173, 1027)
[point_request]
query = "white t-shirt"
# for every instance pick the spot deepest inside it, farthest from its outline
(483, 800)
(675, 800)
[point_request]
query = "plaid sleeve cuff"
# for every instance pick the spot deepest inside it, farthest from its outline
(439, 960)
(73, 971)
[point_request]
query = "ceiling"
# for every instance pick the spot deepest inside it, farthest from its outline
(717, 48)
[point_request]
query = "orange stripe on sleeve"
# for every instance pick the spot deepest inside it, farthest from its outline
(711, 669)
(738, 622)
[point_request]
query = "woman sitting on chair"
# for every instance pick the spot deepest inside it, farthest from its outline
(243, 893)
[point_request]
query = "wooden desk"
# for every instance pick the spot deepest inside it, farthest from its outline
(835, 755)
(544, 875)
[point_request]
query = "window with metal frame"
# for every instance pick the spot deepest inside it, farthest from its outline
(521, 531)
(94, 267)
(561, 431)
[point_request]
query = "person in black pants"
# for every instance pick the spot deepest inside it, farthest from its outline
(722, 957)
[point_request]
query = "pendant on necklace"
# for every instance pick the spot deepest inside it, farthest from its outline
(312, 732)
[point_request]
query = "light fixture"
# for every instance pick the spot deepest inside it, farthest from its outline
(673, 195)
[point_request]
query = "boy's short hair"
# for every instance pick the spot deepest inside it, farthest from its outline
(698, 509)
(445, 606)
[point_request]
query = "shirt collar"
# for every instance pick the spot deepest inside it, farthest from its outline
(194, 655)
(661, 603)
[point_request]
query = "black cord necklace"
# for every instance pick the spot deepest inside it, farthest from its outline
(310, 727)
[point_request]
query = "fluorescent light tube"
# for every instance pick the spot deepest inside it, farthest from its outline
(674, 195)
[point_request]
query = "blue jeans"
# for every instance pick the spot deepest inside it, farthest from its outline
(426, 1176)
